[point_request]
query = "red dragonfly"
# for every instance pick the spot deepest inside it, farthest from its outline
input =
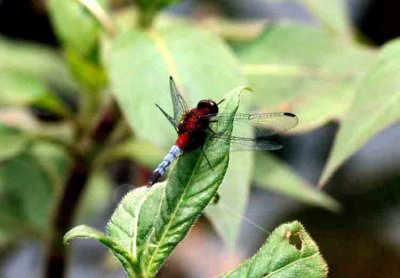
(194, 126)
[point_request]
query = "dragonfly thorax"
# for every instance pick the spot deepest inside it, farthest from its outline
(192, 129)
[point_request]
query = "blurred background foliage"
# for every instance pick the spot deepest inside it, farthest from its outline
(78, 83)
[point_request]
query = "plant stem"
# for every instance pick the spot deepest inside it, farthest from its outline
(145, 18)
(87, 148)
(64, 216)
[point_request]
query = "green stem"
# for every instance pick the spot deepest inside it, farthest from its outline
(146, 18)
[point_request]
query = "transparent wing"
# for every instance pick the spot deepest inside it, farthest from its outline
(258, 125)
(246, 144)
(251, 131)
(169, 118)
(179, 104)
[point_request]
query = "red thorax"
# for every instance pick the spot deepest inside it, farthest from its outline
(191, 124)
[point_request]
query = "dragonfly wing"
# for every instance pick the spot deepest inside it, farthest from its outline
(170, 119)
(179, 103)
(251, 131)
(258, 125)
(245, 144)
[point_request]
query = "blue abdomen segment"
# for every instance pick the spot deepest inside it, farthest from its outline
(173, 153)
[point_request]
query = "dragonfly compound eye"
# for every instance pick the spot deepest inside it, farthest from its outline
(209, 105)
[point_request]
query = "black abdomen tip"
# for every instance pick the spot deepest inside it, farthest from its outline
(289, 114)
(154, 177)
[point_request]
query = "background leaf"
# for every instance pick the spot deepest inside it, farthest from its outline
(89, 74)
(288, 252)
(83, 231)
(36, 61)
(375, 107)
(234, 192)
(145, 153)
(332, 16)
(12, 142)
(77, 28)
(272, 174)
(155, 5)
(17, 88)
(316, 80)
(213, 71)
(26, 196)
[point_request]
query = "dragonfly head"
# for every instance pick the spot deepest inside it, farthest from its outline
(209, 105)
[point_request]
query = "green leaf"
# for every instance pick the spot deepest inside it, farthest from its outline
(26, 196)
(288, 252)
(138, 150)
(280, 178)
(332, 15)
(12, 142)
(54, 161)
(17, 88)
(90, 74)
(202, 69)
(76, 27)
(83, 231)
(191, 186)
(36, 61)
(97, 195)
(234, 192)
(300, 69)
(150, 222)
(205, 68)
(155, 4)
(133, 221)
(148, 9)
(374, 108)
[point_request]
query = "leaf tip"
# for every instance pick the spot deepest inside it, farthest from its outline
(81, 231)
(248, 89)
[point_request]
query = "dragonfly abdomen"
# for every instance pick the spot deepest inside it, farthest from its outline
(173, 153)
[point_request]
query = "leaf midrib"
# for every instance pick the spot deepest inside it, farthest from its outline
(288, 265)
(173, 215)
(356, 139)
(135, 224)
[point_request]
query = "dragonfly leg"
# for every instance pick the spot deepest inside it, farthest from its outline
(208, 161)
(210, 130)
(215, 198)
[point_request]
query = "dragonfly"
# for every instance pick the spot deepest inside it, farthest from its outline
(194, 126)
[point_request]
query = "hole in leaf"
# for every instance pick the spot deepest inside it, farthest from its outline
(295, 240)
